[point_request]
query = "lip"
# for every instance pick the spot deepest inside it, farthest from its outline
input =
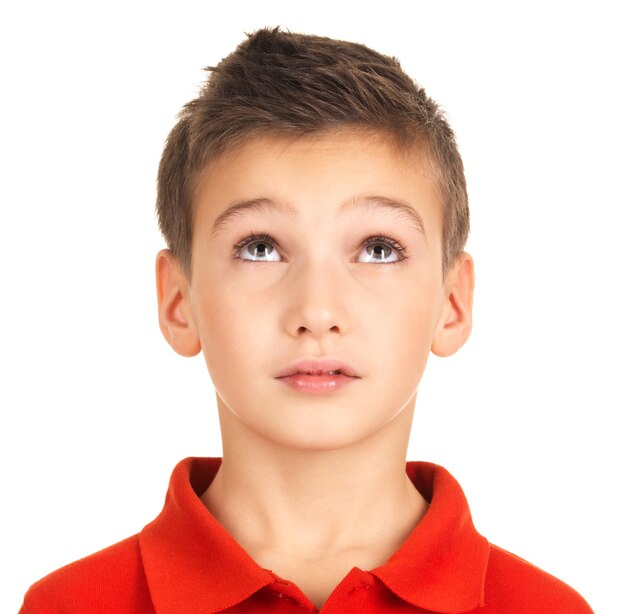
(311, 365)
(317, 384)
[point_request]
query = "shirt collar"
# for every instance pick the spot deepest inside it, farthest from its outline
(441, 565)
(193, 564)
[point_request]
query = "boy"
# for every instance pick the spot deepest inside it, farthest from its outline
(314, 206)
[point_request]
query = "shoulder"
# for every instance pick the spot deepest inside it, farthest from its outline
(111, 580)
(517, 586)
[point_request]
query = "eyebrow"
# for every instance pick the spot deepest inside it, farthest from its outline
(371, 204)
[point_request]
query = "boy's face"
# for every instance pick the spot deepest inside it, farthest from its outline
(317, 288)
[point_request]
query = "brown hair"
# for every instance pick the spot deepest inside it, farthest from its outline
(284, 83)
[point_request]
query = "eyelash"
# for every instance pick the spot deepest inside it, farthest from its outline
(371, 240)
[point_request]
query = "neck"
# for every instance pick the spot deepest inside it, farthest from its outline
(315, 502)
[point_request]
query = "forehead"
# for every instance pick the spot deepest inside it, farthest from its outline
(338, 173)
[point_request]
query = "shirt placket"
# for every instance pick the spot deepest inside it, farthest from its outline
(348, 597)
(350, 594)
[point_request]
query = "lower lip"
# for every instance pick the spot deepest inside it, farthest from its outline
(317, 384)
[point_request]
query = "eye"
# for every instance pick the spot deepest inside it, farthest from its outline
(261, 247)
(256, 245)
(374, 244)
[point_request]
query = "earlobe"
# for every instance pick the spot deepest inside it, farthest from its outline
(455, 323)
(175, 318)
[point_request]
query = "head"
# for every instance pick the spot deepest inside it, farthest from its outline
(352, 176)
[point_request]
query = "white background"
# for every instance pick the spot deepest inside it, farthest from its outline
(96, 408)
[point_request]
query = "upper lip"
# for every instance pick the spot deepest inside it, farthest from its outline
(312, 365)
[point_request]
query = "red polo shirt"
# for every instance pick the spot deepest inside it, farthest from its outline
(184, 562)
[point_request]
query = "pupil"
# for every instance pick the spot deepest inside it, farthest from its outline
(380, 248)
(258, 249)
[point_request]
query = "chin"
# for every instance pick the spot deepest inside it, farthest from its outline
(317, 438)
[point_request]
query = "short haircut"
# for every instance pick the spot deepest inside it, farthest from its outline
(287, 84)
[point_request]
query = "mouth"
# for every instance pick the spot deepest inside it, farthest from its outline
(326, 367)
(317, 382)
(337, 372)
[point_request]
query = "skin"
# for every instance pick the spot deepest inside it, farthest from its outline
(312, 486)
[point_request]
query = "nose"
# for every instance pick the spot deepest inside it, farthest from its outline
(316, 300)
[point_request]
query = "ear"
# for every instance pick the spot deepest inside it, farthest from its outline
(175, 317)
(455, 322)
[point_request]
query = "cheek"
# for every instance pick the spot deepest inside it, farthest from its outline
(412, 326)
(232, 339)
